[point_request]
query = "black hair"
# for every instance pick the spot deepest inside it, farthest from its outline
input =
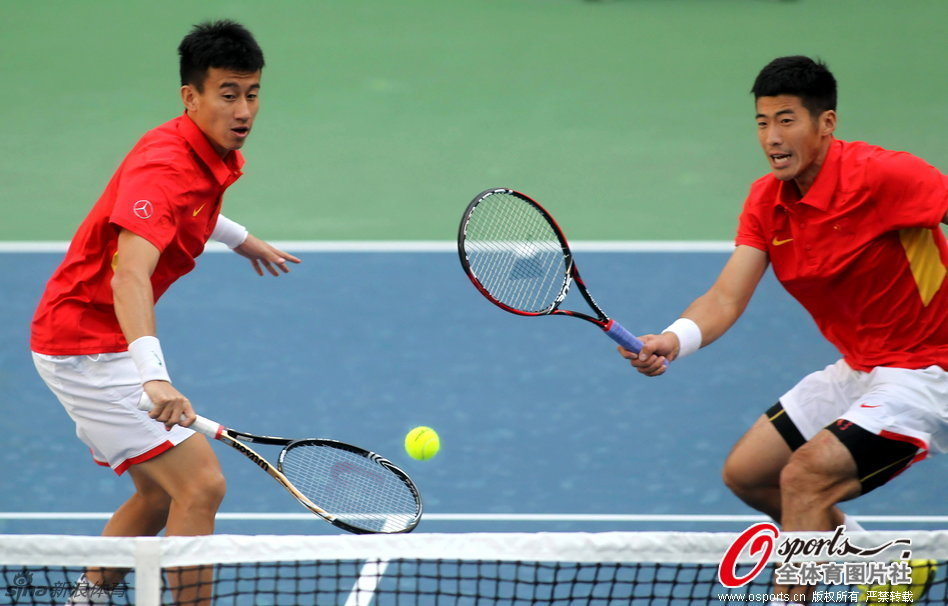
(800, 76)
(224, 44)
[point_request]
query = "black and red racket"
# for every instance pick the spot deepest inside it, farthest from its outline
(356, 490)
(517, 256)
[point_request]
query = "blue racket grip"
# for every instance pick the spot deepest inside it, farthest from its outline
(620, 335)
(623, 337)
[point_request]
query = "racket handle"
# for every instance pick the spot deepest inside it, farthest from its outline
(211, 429)
(623, 337)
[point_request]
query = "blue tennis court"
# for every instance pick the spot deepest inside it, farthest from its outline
(537, 415)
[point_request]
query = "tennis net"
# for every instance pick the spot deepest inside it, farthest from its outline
(512, 569)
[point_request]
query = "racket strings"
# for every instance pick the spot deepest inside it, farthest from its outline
(515, 254)
(357, 490)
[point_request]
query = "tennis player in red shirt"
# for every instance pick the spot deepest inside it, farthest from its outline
(852, 232)
(94, 338)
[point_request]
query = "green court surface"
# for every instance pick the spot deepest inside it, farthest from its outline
(630, 119)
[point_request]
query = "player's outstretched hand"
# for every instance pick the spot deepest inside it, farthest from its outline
(264, 256)
(657, 349)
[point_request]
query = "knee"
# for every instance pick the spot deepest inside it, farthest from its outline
(804, 479)
(797, 478)
(756, 489)
(736, 480)
(204, 491)
(154, 498)
(731, 479)
(213, 487)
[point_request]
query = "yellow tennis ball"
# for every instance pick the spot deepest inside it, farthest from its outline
(422, 443)
(923, 573)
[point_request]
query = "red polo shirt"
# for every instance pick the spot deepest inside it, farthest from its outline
(167, 190)
(863, 252)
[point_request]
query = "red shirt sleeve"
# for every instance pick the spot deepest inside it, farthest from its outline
(909, 191)
(750, 230)
(144, 202)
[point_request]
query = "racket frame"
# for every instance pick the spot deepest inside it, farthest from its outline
(570, 275)
(235, 439)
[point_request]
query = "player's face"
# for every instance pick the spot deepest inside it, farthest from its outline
(794, 141)
(225, 108)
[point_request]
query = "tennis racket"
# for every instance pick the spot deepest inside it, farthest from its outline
(357, 490)
(517, 256)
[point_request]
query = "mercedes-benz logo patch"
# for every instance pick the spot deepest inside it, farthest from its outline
(142, 209)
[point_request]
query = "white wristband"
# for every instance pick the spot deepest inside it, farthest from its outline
(689, 336)
(229, 232)
(146, 352)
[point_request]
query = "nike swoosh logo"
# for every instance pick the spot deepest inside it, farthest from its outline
(199, 209)
(777, 242)
(870, 405)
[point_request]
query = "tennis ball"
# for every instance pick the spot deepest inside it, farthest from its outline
(923, 573)
(422, 443)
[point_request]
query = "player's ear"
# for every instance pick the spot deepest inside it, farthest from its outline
(189, 97)
(827, 122)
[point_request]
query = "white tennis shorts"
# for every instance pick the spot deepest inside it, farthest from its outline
(897, 403)
(101, 393)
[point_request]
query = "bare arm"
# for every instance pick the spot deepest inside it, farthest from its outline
(135, 310)
(719, 308)
(714, 312)
(131, 285)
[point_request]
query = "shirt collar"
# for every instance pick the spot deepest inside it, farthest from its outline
(225, 170)
(820, 194)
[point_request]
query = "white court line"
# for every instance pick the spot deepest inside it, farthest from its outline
(363, 591)
(671, 246)
(496, 517)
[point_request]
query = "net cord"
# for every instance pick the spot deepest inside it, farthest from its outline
(149, 555)
(669, 547)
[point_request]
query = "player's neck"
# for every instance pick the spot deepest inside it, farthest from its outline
(804, 181)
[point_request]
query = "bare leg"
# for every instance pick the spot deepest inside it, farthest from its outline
(191, 475)
(820, 474)
(752, 469)
(143, 514)
(179, 490)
